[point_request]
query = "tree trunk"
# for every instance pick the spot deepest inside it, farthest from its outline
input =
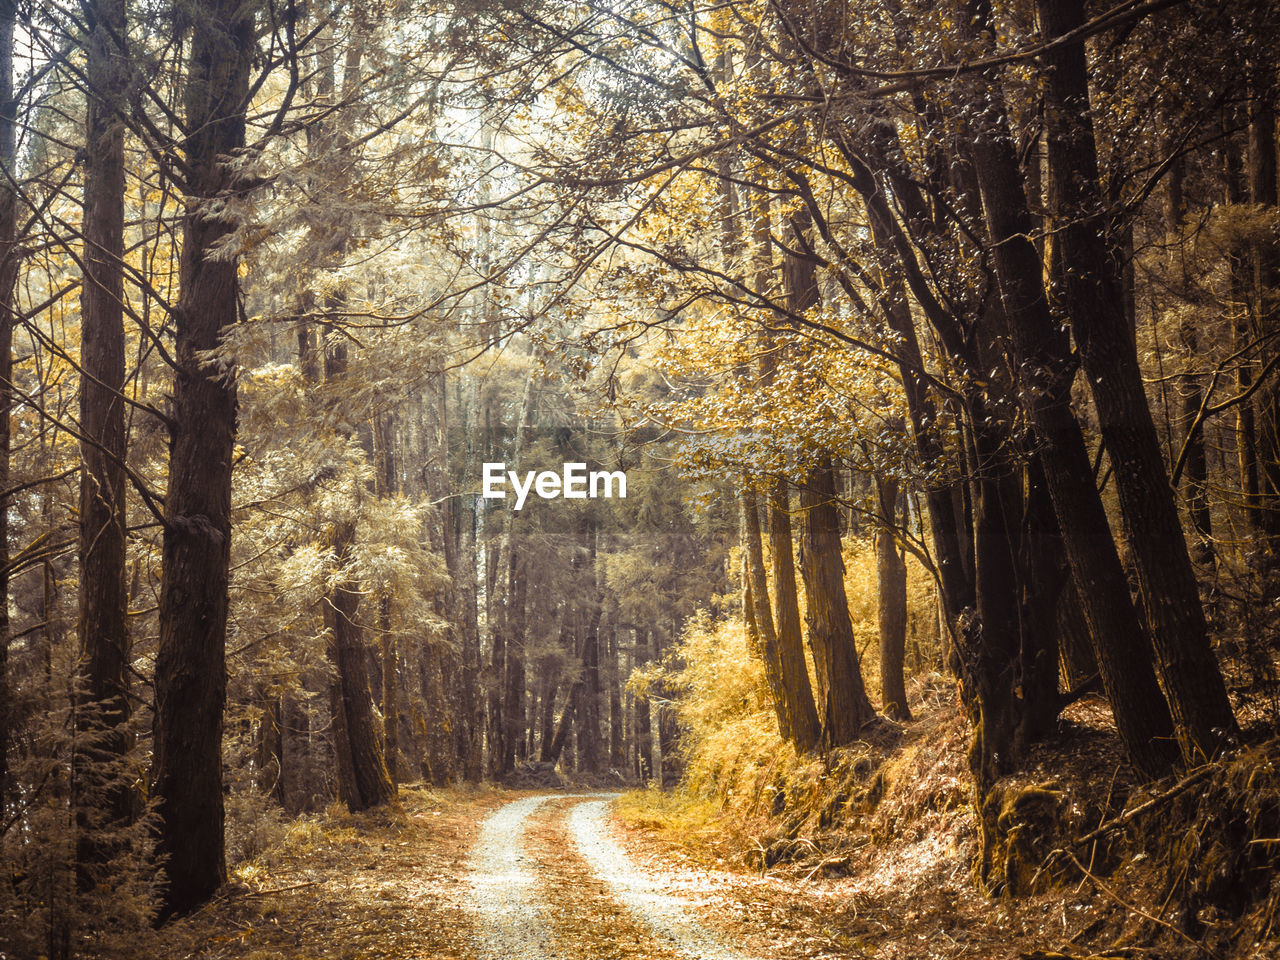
(390, 690)
(514, 697)
(1191, 393)
(103, 625)
(8, 316)
(553, 752)
(891, 579)
(797, 693)
(1196, 473)
(384, 432)
(1042, 359)
(845, 707)
(371, 783)
(589, 709)
(946, 522)
(501, 602)
(1090, 284)
(190, 672)
(270, 759)
(643, 727)
(617, 722)
(1265, 295)
(762, 612)
(1241, 326)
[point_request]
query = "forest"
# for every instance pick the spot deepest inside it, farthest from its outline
(845, 434)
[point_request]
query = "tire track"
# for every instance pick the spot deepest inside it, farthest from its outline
(511, 925)
(669, 917)
(566, 889)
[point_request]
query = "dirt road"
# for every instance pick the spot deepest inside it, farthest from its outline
(550, 881)
(479, 874)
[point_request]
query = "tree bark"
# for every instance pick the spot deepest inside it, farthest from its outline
(588, 713)
(844, 707)
(371, 783)
(1090, 285)
(1045, 372)
(1191, 392)
(190, 673)
(8, 316)
(617, 721)
(891, 579)
(514, 692)
(390, 690)
(797, 692)
(103, 621)
(762, 611)
(1264, 297)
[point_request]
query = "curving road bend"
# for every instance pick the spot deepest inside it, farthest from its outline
(509, 896)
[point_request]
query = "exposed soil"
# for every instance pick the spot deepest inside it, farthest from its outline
(503, 875)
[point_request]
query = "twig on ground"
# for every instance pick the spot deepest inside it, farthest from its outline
(296, 886)
(1140, 912)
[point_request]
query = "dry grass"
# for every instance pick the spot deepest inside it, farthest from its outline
(871, 853)
(386, 884)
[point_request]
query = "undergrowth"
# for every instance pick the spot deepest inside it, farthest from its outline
(1188, 868)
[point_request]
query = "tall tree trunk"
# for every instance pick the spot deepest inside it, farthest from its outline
(1042, 359)
(390, 690)
(554, 751)
(103, 622)
(270, 753)
(457, 599)
(891, 580)
(371, 783)
(547, 715)
(502, 555)
(797, 692)
(617, 721)
(470, 745)
(1090, 284)
(514, 694)
(643, 726)
(844, 707)
(947, 524)
(762, 611)
(1191, 393)
(8, 316)
(589, 710)
(1045, 578)
(190, 672)
(384, 432)
(1265, 297)
(1196, 474)
(1241, 326)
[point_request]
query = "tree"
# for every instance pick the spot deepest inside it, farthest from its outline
(103, 623)
(891, 575)
(8, 316)
(1090, 287)
(190, 677)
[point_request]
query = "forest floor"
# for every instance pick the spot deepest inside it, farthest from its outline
(508, 875)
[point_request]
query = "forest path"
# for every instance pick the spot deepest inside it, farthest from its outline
(481, 874)
(550, 881)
